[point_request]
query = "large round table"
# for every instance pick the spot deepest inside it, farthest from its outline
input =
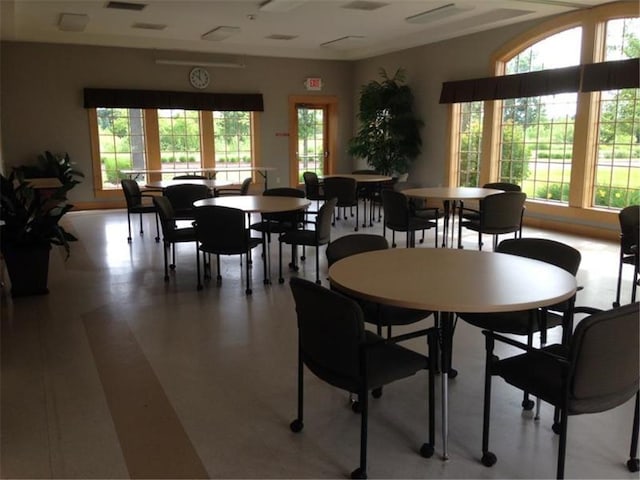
(449, 281)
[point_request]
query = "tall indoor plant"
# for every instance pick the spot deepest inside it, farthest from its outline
(30, 226)
(389, 134)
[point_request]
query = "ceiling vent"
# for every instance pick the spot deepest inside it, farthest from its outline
(220, 33)
(277, 36)
(149, 26)
(127, 6)
(280, 5)
(344, 43)
(364, 5)
(438, 13)
(73, 22)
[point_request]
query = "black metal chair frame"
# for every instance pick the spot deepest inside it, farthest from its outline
(243, 189)
(345, 190)
(629, 218)
(134, 198)
(398, 218)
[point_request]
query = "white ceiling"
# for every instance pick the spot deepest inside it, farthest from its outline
(312, 23)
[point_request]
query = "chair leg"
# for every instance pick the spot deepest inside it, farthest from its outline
(141, 229)
(562, 445)
(129, 226)
(199, 284)
(361, 471)
(357, 215)
(157, 228)
(634, 463)
(298, 424)
(616, 303)
(318, 264)
(280, 278)
(247, 281)
(172, 266)
(218, 276)
(165, 246)
(488, 458)
(427, 449)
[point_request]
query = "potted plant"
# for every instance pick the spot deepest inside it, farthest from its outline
(389, 135)
(30, 225)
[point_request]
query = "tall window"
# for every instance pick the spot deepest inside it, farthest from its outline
(537, 132)
(121, 143)
(179, 132)
(470, 143)
(232, 139)
(617, 172)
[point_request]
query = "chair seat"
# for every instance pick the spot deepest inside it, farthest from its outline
(300, 237)
(476, 227)
(268, 226)
(178, 235)
(515, 323)
(386, 315)
(142, 209)
(231, 250)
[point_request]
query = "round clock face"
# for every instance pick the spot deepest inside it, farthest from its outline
(199, 77)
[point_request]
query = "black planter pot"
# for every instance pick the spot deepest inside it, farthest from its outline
(28, 268)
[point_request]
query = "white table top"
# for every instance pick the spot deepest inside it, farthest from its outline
(137, 171)
(451, 193)
(211, 183)
(451, 280)
(257, 203)
(360, 177)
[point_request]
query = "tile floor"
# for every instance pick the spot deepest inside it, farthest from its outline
(117, 374)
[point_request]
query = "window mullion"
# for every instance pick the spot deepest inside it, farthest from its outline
(207, 145)
(152, 139)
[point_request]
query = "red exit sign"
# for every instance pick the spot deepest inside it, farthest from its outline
(313, 83)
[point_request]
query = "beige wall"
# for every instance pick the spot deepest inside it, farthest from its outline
(42, 98)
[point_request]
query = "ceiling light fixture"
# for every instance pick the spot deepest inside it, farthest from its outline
(280, 5)
(220, 33)
(199, 63)
(437, 13)
(344, 43)
(73, 22)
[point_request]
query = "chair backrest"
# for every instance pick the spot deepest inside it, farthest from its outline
(543, 249)
(131, 191)
(506, 186)
(183, 195)
(353, 244)
(604, 368)
(330, 332)
(395, 206)
(166, 214)
(189, 176)
(221, 229)
(244, 187)
(629, 218)
(502, 211)
(298, 215)
(311, 184)
(323, 220)
(284, 192)
(342, 188)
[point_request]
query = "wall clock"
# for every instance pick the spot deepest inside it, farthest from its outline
(199, 77)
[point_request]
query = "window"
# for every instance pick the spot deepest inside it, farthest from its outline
(469, 143)
(169, 139)
(617, 173)
(565, 149)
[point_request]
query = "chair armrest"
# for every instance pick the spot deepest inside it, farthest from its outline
(523, 346)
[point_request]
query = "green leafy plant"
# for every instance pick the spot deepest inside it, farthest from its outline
(389, 134)
(53, 166)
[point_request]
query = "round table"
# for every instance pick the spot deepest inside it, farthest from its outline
(211, 183)
(454, 195)
(449, 281)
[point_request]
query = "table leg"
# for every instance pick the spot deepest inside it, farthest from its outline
(445, 227)
(446, 346)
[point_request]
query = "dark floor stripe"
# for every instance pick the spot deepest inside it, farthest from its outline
(153, 440)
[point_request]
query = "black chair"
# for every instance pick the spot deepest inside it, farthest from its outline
(595, 372)
(474, 213)
(243, 189)
(335, 346)
(499, 214)
(345, 190)
(528, 322)
(182, 197)
(135, 204)
(398, 217)
(171, 234)
(222, 231)
(312, 188)
(319, 235)
(282, 221)
(374, 313)
(629, 218)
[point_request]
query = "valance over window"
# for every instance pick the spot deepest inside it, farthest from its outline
(221, 102)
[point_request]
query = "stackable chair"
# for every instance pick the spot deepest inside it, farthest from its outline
(595, 372)
(528, 322)
(629, 218)
(222, 231)
(345, 190)
(398, 217)
(171, 233)
(182, 197)
(136, 204)
(243, 189)
(320, 234)
(334, 345)
(312, 188)
(499, 214)
(282, 221)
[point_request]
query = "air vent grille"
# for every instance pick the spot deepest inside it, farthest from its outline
(149, 26)
(127, 6)
(364, 5)
(277, 36)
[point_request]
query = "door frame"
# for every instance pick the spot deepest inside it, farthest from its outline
(330, 103)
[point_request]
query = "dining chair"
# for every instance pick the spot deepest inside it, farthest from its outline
(319, 235)
(344, 189)
(499, 214)
(222, 231)
(312, 188)
(629, 218)
(597, 371)
(136, 204)
(473, 212)
(334, 345)
(171, 233)
(398, 217)
(243, 189)
(528, 322)
(182, 197)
